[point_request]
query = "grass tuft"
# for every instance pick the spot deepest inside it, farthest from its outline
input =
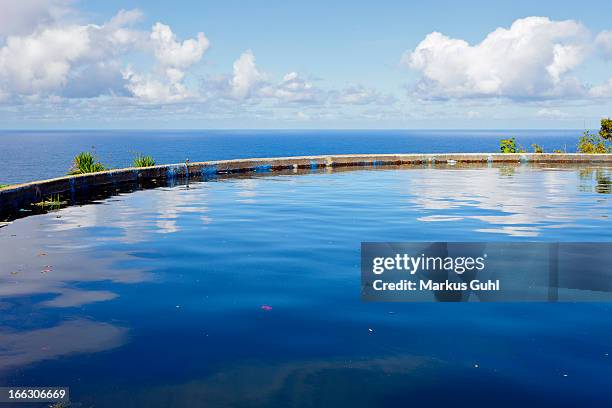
(143, 161)
(85, 162)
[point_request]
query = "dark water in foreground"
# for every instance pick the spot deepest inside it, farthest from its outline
(28, 155)
(154, 299)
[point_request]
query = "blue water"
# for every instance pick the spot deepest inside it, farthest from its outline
(34, 155)
(154, 298)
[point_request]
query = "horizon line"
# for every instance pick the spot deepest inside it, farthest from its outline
(283, 129)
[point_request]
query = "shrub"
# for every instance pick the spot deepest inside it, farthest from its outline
(591, 143)
(537, 148)
(143, 161)
(507, 145)
(85, 162)
(606, 129)
(4, 185)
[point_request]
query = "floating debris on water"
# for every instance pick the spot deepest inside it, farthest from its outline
(266, 307)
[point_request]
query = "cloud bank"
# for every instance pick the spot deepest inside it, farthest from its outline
(53, 63)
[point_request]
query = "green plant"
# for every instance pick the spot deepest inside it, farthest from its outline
(591, 143)
(557, 151)
(508, 145)
(143, 161)
(85, 162)
(606, 129)
(537, 148)
(53, 201)
(4, 185)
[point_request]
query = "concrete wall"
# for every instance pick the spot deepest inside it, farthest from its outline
(17, 197)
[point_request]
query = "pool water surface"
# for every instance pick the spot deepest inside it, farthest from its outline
(245, 292)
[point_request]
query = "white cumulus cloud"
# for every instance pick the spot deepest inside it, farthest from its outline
(41, 62)
(293, 88)
(245, 76)
(46, 60)
(165, 84)
(531, 59)
(154, 89)
(247, 82)
(604, 43)
(24, 16)
(171, 53)
(59, 58)
(602, 91)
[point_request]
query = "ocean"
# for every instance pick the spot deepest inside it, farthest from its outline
(35, 155)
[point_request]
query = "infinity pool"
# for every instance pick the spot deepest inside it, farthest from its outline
(246, 292)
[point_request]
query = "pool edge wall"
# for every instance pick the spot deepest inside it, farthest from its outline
(15, 197)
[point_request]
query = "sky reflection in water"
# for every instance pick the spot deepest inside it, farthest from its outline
(154, 298)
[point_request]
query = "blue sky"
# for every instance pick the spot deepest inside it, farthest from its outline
(315, 64)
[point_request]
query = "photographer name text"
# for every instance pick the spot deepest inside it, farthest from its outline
(430, 285)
